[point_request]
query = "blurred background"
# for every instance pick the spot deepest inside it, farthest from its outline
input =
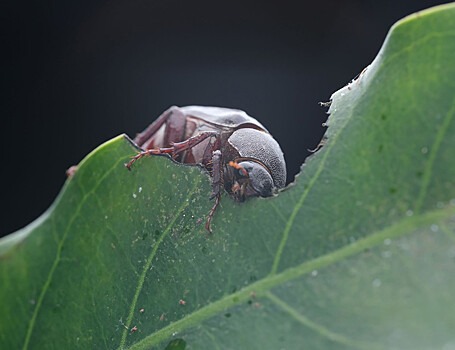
(76, 74)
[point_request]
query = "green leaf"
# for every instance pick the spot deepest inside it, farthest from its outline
(358, 253)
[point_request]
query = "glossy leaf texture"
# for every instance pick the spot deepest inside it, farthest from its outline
(358, 253)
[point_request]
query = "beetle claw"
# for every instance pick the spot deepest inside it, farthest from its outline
(133, 159)
(207, 226)
(212, 212)
(128, 165)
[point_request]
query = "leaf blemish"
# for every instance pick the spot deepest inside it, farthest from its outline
(176, 344)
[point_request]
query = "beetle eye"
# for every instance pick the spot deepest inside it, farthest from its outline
(240, 170)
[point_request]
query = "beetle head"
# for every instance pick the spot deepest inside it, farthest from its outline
(251, 179)
(261, 148)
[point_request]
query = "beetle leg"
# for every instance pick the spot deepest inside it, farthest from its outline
(212, 212)
(176, 148)
(173, 118)
(217, 174)
(146, 153)
(217, 185)
(192, 141)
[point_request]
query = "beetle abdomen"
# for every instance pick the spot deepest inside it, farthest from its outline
(260, 145)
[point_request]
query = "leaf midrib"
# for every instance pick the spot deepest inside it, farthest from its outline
(262, 286)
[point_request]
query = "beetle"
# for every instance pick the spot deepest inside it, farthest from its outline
(237, 151)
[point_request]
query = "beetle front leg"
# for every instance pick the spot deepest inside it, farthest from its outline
(217, 185)
(176, 148)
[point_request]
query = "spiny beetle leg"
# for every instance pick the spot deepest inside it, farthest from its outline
(172, 116)
(212, 212)
(148, 152)
(193, 141)
(175, 149)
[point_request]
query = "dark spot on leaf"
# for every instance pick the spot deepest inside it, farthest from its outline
(144, 236)
(383, 117)
(176, 344)
(380, 148)
(419, 173)
(56, 308)
(227, 314)
(392, 190)
(156, 234)
(250, 302)
(253, 278)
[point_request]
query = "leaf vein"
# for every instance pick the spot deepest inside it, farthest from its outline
(262, 286)
(320, 329)
(301, 201)
(148, 264)
(45, 287)
(432, 157)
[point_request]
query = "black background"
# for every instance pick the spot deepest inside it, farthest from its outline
(75, 74)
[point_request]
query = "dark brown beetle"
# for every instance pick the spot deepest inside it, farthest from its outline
(237, 151)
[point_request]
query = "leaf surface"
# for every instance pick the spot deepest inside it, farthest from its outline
(358, 253)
